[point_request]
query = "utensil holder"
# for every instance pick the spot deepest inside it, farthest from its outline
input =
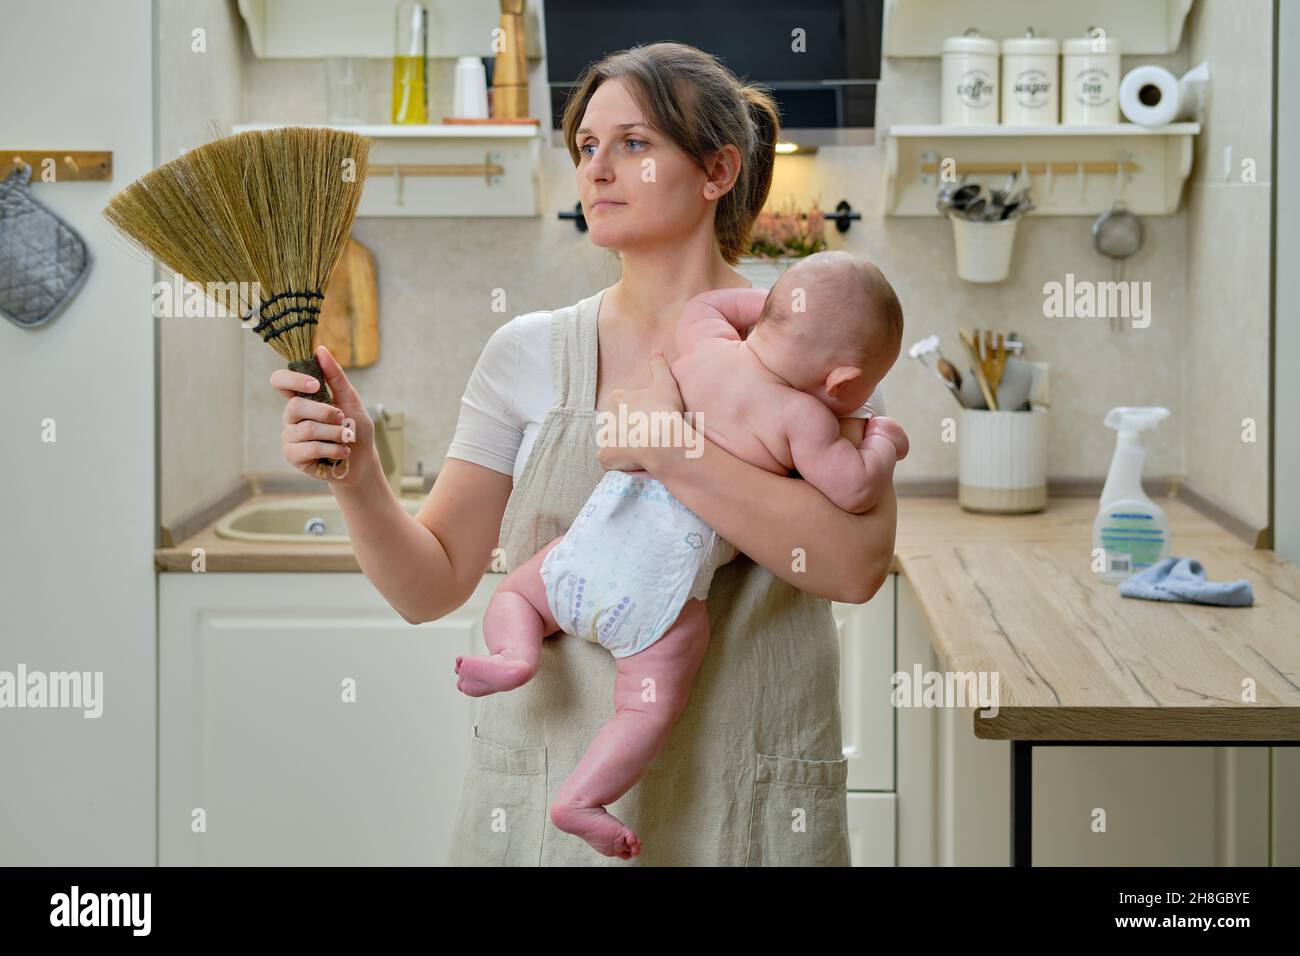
(983, 248)
(1002, 461)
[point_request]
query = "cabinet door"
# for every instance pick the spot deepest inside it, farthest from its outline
(308, 722)
(866, 666)
(917, 734)
(871, 829)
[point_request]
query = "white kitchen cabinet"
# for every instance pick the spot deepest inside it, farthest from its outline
(260, 743)
(866, 665)
(265, 759)
(871, 828)
(917, 736)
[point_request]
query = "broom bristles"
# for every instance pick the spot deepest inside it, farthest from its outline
(271, 207)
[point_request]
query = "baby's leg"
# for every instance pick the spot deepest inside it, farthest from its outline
(516, 621)
(650, 691)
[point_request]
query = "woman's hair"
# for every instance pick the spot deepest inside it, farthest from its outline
(700, 105)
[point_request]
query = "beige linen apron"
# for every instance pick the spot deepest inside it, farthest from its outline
(753, 772)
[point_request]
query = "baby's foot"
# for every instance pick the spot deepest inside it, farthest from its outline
(601, 829)
(481, 675)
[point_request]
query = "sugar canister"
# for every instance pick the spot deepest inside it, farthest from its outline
(970, 81)
(1090, 76)
(1030, 72)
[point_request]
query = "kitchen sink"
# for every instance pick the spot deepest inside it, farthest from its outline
(312, 518)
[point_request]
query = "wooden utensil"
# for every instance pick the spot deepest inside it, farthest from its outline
(978, 368)
(349, 316)
(994, 358)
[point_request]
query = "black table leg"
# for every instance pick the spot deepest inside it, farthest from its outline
(1022, 778)
(1022, 794)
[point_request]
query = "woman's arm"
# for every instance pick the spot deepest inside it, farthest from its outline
(426, 566)
(847, 557)
(771, 518)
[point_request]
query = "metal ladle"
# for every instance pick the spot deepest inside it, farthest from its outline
(1118, 234)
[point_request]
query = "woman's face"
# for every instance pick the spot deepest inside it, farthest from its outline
(638, 188)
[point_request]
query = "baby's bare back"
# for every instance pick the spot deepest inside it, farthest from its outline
(739, 404)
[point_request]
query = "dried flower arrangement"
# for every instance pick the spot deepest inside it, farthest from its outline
(789, 232)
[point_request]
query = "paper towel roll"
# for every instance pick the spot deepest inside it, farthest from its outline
(1152, 96)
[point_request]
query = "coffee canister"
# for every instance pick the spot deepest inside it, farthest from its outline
(1090, 77)
(1030, 81)
(970, 81)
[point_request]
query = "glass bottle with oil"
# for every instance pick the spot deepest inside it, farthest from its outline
(410, 83)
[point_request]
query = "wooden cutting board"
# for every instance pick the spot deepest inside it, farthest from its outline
(349, 315)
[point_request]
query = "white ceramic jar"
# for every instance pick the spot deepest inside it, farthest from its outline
(1090, 77)
(970, 81)
(1031, 69)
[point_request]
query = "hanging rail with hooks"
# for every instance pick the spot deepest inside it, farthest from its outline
(60, 165)
(1036, 169)
(843, 216)
(1072, 170)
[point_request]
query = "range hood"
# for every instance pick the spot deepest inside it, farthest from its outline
(820, 58)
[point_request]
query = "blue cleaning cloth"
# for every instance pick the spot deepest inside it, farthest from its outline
(1183, 579)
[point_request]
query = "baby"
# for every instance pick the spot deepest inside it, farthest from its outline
(766, 376)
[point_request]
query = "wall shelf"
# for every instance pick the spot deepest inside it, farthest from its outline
(1144, 27)
(1155, 163)
(479, 170)
(364, 28)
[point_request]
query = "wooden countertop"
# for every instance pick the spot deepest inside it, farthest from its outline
(1015, 595)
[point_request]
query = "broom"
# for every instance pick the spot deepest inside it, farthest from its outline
(259, 220)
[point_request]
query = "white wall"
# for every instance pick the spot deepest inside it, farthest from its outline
(1226, 350)
(201, 363)
(77, 588)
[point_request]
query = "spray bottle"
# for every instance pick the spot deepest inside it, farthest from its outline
(1130, 529)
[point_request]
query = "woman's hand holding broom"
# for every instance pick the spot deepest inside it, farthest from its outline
(315, 431)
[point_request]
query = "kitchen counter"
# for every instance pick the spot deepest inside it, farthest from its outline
(1015, 595)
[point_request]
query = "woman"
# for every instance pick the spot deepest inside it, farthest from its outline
(674, 161)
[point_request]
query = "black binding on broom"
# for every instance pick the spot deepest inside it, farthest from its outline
(307, 313)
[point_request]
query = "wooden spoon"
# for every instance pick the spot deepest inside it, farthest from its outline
(978, 368)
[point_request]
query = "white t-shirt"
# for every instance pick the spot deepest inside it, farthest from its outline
(511, 389)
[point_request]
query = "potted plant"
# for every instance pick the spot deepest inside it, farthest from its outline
(779, 237)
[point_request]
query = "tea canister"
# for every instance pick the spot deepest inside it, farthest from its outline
(970, 81)
(1090, 76)
(1030, 80)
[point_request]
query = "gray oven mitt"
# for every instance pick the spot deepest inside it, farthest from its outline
(43, 261)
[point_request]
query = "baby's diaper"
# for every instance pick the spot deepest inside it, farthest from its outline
(632, 558)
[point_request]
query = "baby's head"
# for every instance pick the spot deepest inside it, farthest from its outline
(832, 327)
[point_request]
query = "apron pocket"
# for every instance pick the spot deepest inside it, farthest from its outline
(800, 813)
(503, 813)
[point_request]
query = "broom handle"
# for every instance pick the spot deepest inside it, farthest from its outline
(309, 366)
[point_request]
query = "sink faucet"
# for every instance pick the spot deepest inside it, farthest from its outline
(390, 443)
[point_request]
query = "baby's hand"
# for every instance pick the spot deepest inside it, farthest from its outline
(887, 428)
(883, 446)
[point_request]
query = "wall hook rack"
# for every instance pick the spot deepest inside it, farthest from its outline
(59, 165)
(843, 216)
(488, 169)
